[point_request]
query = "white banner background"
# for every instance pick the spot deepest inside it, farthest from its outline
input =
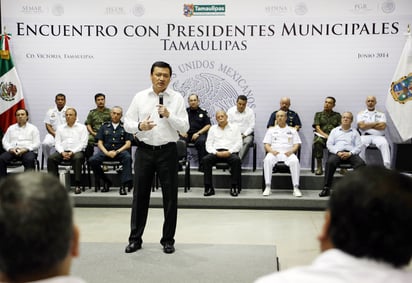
(273, 64)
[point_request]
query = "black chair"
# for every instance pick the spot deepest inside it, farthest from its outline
(253, 146)
(115, 164)
(16, 162)
(280, 167)
(183, 161)
(68, 163)
(225, 166)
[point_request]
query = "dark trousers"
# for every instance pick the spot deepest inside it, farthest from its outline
(211, 159)
(200, 145)
(147, 162)
(27, 160)
(124, 157)
(333, 162)
(76, 162)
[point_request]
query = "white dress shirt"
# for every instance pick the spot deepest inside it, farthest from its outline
(341, 140)
(27, 136)
(73, 138)
(335, 266)
(371, 117)
(55, 118)
(282, 139)
(228, 138)
(245, 120)
(145, 104)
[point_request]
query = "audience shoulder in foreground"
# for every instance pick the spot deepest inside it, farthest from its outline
(367, 232)
(37, 236)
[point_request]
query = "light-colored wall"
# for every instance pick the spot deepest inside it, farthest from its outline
(265, 64)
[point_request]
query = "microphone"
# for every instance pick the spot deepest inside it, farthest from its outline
(161, 102)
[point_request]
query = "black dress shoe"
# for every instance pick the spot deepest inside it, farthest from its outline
(129, 186)
(106, 186)
(168, 248)
(132, 247)
(122, 191)
(325, 192)
(209, 192)
(233, 192)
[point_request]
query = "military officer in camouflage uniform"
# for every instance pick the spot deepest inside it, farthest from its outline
(95, 119)
(199, 126)
(324, 122)
(114, 144)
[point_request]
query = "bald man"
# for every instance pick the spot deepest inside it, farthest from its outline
(372, 125)
(292, 118)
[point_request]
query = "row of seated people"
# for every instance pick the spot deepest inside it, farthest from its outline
(240, 115)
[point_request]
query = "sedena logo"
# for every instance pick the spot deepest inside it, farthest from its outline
(190, 10)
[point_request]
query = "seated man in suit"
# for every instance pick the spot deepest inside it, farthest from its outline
(21, 142)
(38, 238)
(281, 143)
(223, 144)
(344, 145)
(71, 141)
(114, 144)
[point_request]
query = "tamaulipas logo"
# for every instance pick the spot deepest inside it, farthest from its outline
(401, 89)
(190, 10)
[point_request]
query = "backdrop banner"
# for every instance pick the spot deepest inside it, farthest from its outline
(263, 49)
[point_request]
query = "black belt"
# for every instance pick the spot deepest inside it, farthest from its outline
(155, 147)
(367, 134)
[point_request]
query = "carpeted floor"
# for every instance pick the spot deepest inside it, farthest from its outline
(107, 262)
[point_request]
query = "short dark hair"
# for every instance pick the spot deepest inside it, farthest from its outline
(331, 97)
(60, 95)
(241, 97)
(97, 95)
(371, 215)
(36, 224)
(25, 110)
(161, 64)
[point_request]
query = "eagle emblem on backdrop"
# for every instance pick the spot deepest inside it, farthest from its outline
(215, 93)
(401, 89)
(8, 91)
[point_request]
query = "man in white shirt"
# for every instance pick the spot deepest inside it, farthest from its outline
(71, 141)
(366, 235)
(55, 117)
(243, 117)
(372, 125)
(156, 115)
(222, 144)
(38, 238)
(21, 141)
(281, 143)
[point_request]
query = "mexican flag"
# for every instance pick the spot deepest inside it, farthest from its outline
(399, 100)
(11, 92)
